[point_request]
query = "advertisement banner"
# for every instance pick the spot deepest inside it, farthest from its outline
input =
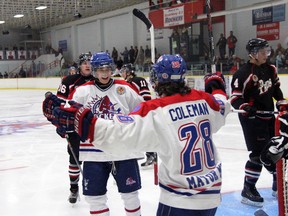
(268, 15)
(269, 31)
(174, 16)
(22, 54)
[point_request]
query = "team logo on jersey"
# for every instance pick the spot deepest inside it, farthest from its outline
(130, 181)
(103, 107)
(125, 119)
(255, 78)
(165, 76)
(120, 90)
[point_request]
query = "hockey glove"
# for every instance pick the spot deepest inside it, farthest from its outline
(282, 105)
(49, 104)
(214, 81)
(273, 152)
(250, 110)
(76, 118)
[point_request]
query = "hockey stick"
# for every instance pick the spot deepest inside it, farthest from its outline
(211, 38)
(69, 144)
(73, 154)
(139, 14)
(258, 111)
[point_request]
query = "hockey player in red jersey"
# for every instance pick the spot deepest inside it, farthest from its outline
(128, 73)
(254, 86)
(68, 85)
(178, 126)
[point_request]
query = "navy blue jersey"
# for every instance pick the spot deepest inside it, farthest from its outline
(69, 83)
(257, 85)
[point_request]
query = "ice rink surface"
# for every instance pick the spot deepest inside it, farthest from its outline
(34, 166)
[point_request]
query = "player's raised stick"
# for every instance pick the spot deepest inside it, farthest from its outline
(139, 14)
(211, 38)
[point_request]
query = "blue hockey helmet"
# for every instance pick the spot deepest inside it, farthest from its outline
(101, 59)
(168, 68)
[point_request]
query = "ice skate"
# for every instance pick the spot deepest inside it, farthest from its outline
(251, 196)
(74, 196)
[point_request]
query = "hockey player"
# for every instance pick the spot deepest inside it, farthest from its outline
(72, 70)
(254, 86)
(178, 126)
(68, 84)
(106, 97)
(128, 73)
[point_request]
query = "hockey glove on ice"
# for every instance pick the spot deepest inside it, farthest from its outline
(214, 81)
(282, 105)
(250, 110)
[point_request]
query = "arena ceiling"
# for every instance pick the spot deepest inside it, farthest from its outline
(57, 11)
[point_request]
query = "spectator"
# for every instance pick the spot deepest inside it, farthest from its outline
(1, 75)
(22, 72)
(280, 59)
(231, 40)
(125, 55)
(222, 46)
(279, 48)
(132, 55)
(5, 74)
(114, 54)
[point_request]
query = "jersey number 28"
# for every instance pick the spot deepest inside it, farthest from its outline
(198, 151)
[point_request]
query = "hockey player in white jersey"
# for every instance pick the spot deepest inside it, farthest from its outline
(178, 126)
(106, 97)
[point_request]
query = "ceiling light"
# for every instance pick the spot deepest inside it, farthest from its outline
(41, 7)
(1, 22)
(18, 15)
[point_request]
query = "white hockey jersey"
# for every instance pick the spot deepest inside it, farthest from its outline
(117, 98)
(179, 128)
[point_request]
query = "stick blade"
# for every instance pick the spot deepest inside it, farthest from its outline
(260, 212)
(139, 14)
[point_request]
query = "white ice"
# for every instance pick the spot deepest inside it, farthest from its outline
(34, 163)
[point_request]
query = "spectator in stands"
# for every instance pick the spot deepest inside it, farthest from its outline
(231, 40)
(5, 74)
(10, 55)
(222, 45)
(22, 55)
(1, 75)
(280, 59)
(278, 48)
(114, 54)
(22, 72)
(132, 55)
(125, 55)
